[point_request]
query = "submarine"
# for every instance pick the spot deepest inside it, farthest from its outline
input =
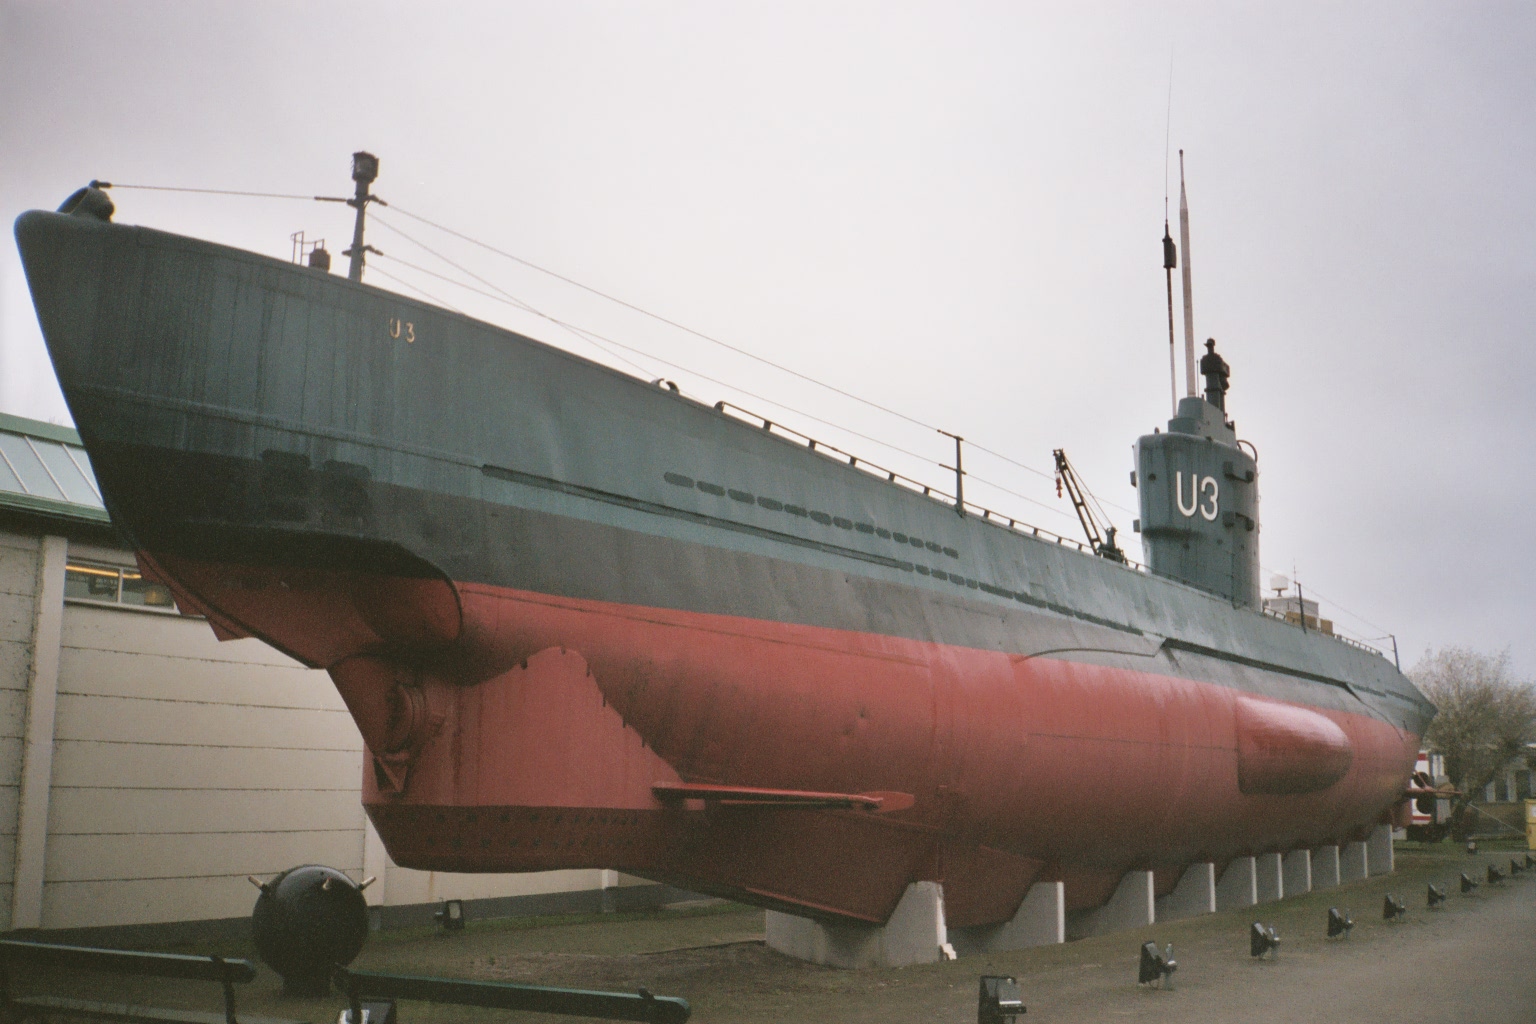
(585, 621)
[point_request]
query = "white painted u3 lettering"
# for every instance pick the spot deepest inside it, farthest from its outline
(1203, 493)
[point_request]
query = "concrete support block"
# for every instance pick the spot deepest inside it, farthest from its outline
(1296, 869)
(1237, 886)
(1354, 862)
(913, 935)
(1325, 867)
(1379, 856)
(1194, 895)
(1132, 906)
(1268, 878)
(1041, 920)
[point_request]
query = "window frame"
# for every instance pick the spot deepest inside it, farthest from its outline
(91, 565)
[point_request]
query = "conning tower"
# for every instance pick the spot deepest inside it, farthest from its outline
(1200, 496)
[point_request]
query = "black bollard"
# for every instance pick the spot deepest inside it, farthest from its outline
(999, 1001)
(1263, 939)
(450, 916)
(1156, 967)
(1392, 908)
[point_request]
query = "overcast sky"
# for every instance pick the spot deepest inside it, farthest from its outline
(952, 209)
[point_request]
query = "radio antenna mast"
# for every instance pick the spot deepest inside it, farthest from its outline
(1170, 253)
(1189, 299)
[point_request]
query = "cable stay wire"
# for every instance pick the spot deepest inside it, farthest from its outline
(1386, 633)
(502, 293)
(665, 320)
(599, 340)
(511, 300)
(1011, 461)
(1099, 508)
(710, 338)
(1357, 617)
(381, 222)
(418, 290)
(209, 191)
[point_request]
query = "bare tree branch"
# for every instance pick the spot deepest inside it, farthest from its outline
(1486, 717)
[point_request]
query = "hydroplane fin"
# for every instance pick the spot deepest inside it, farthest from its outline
(879, 802)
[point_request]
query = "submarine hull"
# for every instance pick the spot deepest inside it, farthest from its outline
(552, 594)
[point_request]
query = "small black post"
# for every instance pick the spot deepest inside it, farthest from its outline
(229, 1002)
(343, 980)
(229, 990)
(1301, 602)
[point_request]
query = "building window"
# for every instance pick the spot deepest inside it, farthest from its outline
(111, 584)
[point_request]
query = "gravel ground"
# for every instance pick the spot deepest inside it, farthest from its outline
(1469, 962)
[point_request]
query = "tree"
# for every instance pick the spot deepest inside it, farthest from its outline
(1486, 718)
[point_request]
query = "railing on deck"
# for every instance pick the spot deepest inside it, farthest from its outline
(902, 480)
(1341, 638)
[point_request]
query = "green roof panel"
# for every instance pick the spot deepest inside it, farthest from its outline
(43, 469)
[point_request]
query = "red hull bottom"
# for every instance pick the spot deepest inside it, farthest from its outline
(522, 732)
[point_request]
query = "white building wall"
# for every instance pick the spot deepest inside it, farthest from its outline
(182, 765)
(18, 582)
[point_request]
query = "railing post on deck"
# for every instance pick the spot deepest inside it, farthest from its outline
(959, 468)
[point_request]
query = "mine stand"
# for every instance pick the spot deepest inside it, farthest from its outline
(26, 959)
(366, 989)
